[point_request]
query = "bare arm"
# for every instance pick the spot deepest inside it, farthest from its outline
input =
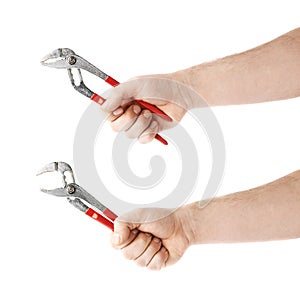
(265, 73)
(268, 212)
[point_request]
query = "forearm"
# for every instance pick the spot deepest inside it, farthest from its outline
(266, 73)
(268, 212)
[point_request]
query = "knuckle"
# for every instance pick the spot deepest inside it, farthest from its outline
(127, 121)
(155, 244)
(156, 262)
(124, 122)
(159, 257)
(145, 236)
(143, 240)
(131, 114)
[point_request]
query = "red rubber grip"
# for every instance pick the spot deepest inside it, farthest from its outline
(94, 215)
(113, 82)
(154, 109)
(98, 99)
(161, 139)
(108, 213)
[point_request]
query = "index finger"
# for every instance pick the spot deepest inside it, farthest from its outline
(116, 97)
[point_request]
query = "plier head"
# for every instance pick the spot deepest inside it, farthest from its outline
(61, 58)
(77, 196)
(62, 168)
(65, 58)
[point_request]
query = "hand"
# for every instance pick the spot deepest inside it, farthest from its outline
(163, 91)
(152, 244)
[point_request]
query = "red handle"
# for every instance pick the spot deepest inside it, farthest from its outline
(96, 216)
(154, 109)
(109, 214)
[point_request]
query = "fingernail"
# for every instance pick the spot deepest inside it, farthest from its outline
(134, 231)
(153, 125)
(118, 111)
(147, 114)
(148, 234)
(136, 109)
(116, 239)
(156, 240)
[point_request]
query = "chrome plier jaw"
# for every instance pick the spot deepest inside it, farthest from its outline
(65, 58)
(75, 194)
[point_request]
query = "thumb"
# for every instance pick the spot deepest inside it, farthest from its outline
(123, 234)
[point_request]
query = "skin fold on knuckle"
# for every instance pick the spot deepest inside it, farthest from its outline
(155, 246)
(149, 134)
(144, 241)
(148, 254)
(137, 247)
(124, 122)
(112, 117)
(138, 127)
(159, 260)
(128, 241)
(141, 262)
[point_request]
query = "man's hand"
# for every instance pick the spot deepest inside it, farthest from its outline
(156, 237)
(164, 91)
(272, 73)
(153, 244)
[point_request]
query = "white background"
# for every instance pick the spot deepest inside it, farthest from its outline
(48, 249)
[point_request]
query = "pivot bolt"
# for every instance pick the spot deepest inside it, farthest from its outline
(70, 189)
(72, 60)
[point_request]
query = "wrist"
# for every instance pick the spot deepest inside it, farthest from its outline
(190, 219)
(200, 79)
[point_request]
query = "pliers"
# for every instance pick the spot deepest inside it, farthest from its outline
(65, 58)
(77, 196)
